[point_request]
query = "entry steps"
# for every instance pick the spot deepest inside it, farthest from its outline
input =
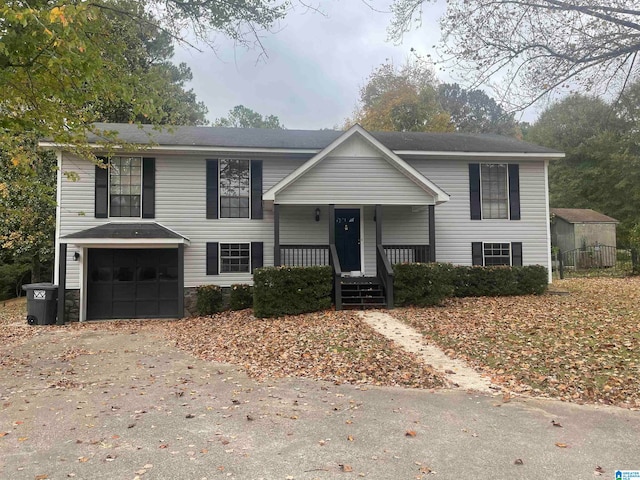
(362, 293)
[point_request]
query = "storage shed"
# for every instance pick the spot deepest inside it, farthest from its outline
(573, 228)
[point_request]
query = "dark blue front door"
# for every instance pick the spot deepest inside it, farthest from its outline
(348, 238)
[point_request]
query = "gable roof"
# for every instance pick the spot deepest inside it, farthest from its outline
(581, 215)
(313, 140)
(439, 195)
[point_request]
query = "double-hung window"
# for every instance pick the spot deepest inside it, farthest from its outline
(125, 186)
(494, 191)
(234, 257)
(234, 188)
(496, 253)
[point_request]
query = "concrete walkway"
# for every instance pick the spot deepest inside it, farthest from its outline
(457, 372)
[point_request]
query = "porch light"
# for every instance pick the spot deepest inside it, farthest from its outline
(76, 256)
(317, 214)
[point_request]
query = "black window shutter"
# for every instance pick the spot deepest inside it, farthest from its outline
(148, 188)
(474, 191)
(212, 189)
(516, 254)
(514, 191)
(256, 255)
(212, 258)
(256, 189)
(101, 207)
(476, 253)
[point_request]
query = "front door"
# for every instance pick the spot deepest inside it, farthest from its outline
(348, 238)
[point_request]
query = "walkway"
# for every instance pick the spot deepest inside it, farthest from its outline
(456, 371)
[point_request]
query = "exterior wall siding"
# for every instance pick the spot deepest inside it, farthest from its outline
(180, 206)
(454, 228)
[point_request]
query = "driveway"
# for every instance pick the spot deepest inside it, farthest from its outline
(102, 404)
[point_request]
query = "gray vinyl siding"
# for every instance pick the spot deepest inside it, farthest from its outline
(180, 206)
(454, 228)
(354, 180)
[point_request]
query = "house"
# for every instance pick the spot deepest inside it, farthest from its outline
(587, 237)
(204, 205)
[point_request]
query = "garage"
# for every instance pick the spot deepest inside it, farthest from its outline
(132, 283)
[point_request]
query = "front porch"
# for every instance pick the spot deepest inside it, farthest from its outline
(360, 247)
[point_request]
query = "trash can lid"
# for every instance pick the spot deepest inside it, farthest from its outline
(40, 286)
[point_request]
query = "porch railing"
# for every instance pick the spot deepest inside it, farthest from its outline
(407, 253)
(304, 255)
(385, 273)
(337, 276)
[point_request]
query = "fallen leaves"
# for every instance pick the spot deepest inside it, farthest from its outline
(410, 433)
(328, 345)
(561, 445)
(584, 347)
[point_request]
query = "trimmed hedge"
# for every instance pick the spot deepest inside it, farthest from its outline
(426, 284)
(291, 290)
(422, 284)
(240, 296)
(209, 299)
(499, 281)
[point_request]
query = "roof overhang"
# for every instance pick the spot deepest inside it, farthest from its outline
(505, 155)
(439, 195)
(127, 235)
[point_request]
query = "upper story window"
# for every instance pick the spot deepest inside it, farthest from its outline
(234, 188)
(495, 190)
(125, 186)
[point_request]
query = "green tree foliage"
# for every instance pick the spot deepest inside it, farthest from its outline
(401, 99)
(243, 117)
(534, 47)
(602, 165)
(473, 111)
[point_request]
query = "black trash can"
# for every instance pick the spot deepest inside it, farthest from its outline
(42, 303)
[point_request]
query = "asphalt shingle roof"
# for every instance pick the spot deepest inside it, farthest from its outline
(582, 215)
(126, 231)
(314, 139)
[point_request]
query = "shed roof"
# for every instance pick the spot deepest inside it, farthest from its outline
(314, 139)
(129, 231)
(582, 215)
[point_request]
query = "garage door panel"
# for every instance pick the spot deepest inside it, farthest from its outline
(135, 283)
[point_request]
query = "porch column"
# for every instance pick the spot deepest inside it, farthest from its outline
(180, 280)
(432, 233)
(62, 281)
(332, 224)
(378, 217)
(276, 235)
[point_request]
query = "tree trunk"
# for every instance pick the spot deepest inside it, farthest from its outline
(35, 269)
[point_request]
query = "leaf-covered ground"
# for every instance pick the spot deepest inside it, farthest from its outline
(584, 347)
(334, 346)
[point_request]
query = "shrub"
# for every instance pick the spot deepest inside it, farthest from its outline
(422, 284)
(208, 299)
(240, 296)
(499, 281)
(291, 290)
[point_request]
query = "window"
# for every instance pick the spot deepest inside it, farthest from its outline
(234, 257)
(497, 254)
(125, 186)
(495, 192)
(234, 188)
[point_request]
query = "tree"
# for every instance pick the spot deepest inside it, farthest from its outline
(473, 111)
(59, 59)
(536, 47)
(243, 117)
(601, 169)
(403, 100)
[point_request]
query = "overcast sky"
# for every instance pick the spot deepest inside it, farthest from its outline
(315, 67)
